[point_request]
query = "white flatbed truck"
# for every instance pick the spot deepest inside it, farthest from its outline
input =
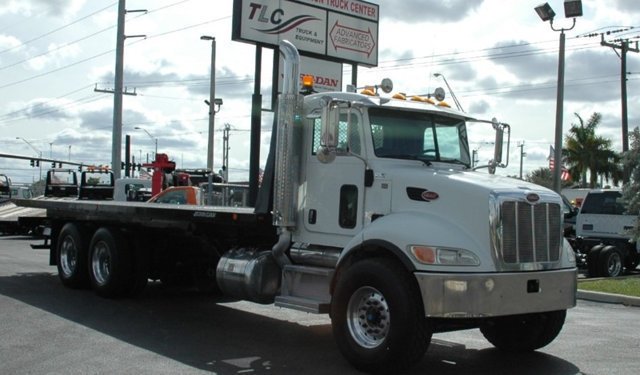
(377, 219)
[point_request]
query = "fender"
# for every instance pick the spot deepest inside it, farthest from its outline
(396, 231)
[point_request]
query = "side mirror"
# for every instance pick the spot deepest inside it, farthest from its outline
(497, 152)
(328, 134)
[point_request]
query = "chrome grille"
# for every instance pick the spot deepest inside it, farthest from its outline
(531, 233)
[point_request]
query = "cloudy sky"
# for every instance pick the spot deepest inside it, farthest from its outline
(499, 58)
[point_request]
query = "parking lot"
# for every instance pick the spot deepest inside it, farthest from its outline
(47, 328)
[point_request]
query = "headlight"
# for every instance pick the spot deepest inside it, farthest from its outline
(443, 256)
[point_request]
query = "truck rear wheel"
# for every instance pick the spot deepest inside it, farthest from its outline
(524, 333)
(109, 263)
(71, 257)
(377, 317)
(610, 262)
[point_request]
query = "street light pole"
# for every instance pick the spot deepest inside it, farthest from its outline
(38, 153)
(557, 152)
(572, 9)
(154, 139)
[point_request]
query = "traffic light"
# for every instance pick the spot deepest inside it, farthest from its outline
(53, 164)
(59, 165)
(32, 162)
(37, 163)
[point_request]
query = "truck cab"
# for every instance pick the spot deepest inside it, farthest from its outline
(96, 184)
(61, 183)
(5, 188)
(385, 204)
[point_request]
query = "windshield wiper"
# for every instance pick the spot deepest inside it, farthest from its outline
(455, 161)
(407, 157)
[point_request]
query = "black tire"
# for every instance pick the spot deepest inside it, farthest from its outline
(610, 262)
(110, 266)
(592, 261)
(393, 334)
(524, 333)
(71, 257)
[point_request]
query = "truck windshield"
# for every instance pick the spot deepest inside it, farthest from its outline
(418, 136)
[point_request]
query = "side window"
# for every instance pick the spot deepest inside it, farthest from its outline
(348, 135)
(174, 197)
(348, 216)
(448, 142)
(429, 141)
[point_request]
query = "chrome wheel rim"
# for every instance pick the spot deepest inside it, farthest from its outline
(368, 317)
(615, 264)
(101, 263)
(68, 256)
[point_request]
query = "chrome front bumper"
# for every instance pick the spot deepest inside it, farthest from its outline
(496, 294)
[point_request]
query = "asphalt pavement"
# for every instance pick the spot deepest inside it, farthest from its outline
(49, 329)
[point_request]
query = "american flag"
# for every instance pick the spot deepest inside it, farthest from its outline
(564, 174)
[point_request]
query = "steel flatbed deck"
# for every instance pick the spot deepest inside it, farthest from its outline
(147, 214)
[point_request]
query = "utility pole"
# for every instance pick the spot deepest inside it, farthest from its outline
(225, 152)
(211, 102)
(116, 142)
(522, 155)
(623, 46)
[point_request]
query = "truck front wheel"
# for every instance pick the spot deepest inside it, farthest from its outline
(377, 317)
(524, 333)
(109, 263)
(71, 257)
(610, 262)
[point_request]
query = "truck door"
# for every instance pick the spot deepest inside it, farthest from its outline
(334, 192)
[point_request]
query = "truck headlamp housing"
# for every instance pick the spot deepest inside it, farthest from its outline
(443, 256)
(571, 256)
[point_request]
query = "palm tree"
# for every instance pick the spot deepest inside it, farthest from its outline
(544, 177)
(541, 176)
(585, 151)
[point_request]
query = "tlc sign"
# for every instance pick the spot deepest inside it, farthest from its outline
(260, 11)
(340, 30)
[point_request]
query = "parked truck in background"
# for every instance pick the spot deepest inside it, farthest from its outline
(604, 243)
(61, 183)
(5, 188)
(377, 219)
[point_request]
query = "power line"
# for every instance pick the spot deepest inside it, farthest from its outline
(57, 48)
(55, 70)
(57, 29)
(59, 97)
(84, 100)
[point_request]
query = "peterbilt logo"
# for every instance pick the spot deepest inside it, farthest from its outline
(429, 195)
(532, 197)
(421, 194)
(277, 18)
